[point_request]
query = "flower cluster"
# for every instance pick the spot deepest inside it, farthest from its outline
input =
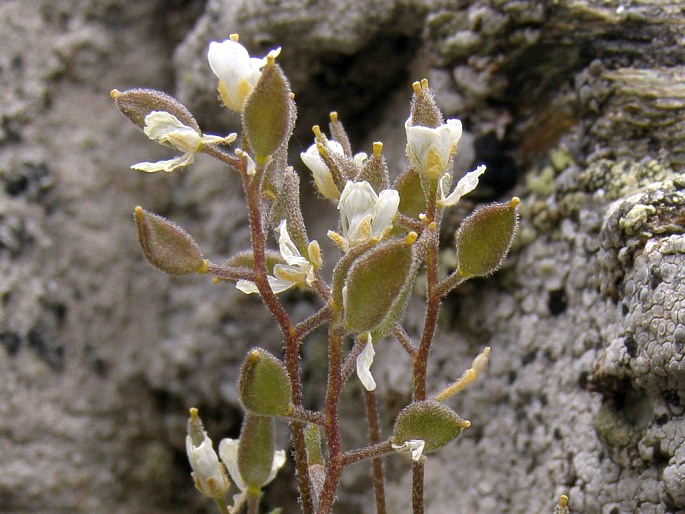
(387, 235)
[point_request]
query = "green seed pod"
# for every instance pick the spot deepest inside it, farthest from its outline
(268, 114)
(375, 281)
(135, 104)
(264, 387)
(430, 421)
(399, 306)
(167, 246)
(292, 212)
(312, 441)
(256, 450)
(484, 238)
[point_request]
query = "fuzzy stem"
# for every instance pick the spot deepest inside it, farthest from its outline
(222, 506)
(291, 341)
(404, 339)
(229, 272)
(252, 504)
(313, 322)
(432, 222)
(348, 366)
(307, 416)
(370, 452)
(417, 487)
(450, 283)
(374, 438)
(332, 429)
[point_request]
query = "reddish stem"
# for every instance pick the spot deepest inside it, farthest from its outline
(374, 438)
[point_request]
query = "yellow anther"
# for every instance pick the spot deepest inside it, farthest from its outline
(377, 148)
(424, 83)
(291, 95)
(204, 267)
(334, 116)
(193, 412)
(234, 37)
(253, 356)
(416, 86)
(411, 237)
(563, 500)
(464, 423)
(317, 131)
(514, 202)
(215, 280)
(114, 93)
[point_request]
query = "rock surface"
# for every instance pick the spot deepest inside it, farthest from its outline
(577, 106)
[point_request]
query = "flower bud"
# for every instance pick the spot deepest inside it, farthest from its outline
(268, 115)
(374, 283)
(256, 450)
(209, 475)
(428, 421)
(484, 238)
(292, 212)
(167, 246)
(264, 387)
(424, 110)
(136, 104)
(339, 134)
(375, 169)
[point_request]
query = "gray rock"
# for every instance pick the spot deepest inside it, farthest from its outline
(576, 107)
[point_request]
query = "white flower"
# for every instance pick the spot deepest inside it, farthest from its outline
(209, 475)
(228, 449)
(364, 361)
(251, 165)
(466, 184)
(364, 214)
(413, 448)
(322, 175)
(297, 270)
(238, 73)
(165, 128)
(430, 149)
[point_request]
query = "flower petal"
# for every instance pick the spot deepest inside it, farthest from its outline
(229, 61)
(465, 185)
(278, 462)
(413, 447)
(210, 139)
(323, 179)
(228, 451)
(277, 285)
(287, 248)
(384, 211)
(168, 166)
(364, 361)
